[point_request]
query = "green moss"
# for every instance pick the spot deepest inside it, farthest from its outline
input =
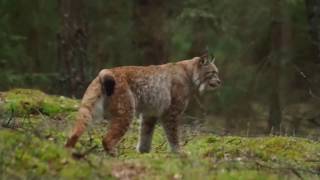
(23, 102)
(246, 175)
(26, 154)
(206, 157)
(270, 151)
(34, 148)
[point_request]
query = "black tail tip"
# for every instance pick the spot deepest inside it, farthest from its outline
(108, 85)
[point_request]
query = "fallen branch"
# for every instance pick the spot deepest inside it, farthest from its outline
(83, 155)
(11, 117)
(305, 77)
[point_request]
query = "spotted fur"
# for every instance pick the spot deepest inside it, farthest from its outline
(160, 93)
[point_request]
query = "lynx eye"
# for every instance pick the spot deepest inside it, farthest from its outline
(211, 73)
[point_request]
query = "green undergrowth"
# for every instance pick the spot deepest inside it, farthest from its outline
(23, 102)
(32, 138)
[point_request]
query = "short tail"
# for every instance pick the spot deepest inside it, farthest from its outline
(107, 81)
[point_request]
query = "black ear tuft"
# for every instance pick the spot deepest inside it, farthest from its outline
(204, 59)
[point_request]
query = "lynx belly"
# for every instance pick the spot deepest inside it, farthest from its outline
(153, 94)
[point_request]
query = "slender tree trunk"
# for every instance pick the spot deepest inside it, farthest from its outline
(33, 49)
(275, 114)
(33, 42)
(313, 12)
(199, 43)
(151, 31)
(73, 42)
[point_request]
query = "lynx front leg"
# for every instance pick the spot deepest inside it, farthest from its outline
(170, 125)
(146, 132)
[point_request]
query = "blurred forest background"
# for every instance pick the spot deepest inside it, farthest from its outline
(268, 52)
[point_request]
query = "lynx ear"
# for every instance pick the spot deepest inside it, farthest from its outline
(204, 59)
(213, 60)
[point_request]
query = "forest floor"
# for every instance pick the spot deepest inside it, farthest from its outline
(34, 128)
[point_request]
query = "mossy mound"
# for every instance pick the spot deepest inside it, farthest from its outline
(265, 148)
(34, 149)
(275, 153)
(23, 102)
(26, 156)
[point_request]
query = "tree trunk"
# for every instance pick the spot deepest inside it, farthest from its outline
(151, 34)
(313, 12)
(199, 44)
(33, 42)
(275, 114)
(73, 42)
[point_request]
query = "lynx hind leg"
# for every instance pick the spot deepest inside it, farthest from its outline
(119, 126)
(84, 115)
(146, 132)
(122, 113)
(170, 125)
(86, 112)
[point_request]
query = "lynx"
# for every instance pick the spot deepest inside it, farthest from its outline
(159, 92)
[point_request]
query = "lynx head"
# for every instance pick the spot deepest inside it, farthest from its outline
(205, 76)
